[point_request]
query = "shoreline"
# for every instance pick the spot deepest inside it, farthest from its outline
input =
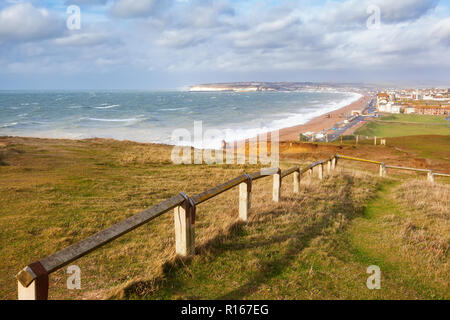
(316, 124)
(322, 122)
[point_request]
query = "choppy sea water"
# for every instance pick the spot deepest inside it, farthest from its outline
(153, 116)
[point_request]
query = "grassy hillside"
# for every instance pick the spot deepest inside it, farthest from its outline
(309, 249)
(400, 125)
(416, 118)
(315, 245)
(56, 192)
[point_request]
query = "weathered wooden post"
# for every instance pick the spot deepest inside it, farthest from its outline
(342, 139)
(375, 140)
(333, 163)
(382, 170)
(184, 218)
(32, 282)
(430, 176)
(297, 180)
(326, 137)
(328, 166)
(245, 194)
(320, 173)
(276, 194)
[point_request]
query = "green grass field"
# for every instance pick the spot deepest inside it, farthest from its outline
(315, 245)
(316, 251)
(400, 125)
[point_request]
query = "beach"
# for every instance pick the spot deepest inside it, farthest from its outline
(153, 117)
(322, 122)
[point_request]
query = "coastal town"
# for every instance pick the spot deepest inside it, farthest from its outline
(429, 101)
(420, 101)
(376, 102)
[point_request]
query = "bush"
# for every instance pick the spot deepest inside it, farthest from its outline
(303, 138)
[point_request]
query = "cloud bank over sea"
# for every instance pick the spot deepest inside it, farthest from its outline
(155, 44)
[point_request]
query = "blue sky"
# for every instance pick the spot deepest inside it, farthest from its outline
(168, 44)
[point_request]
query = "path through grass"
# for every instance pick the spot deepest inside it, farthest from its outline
(312, 251)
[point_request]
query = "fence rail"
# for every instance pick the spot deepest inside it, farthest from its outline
(383, 167)
(33, 280)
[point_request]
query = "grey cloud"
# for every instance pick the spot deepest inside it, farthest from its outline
(214, 36)
(406, 10)
(354, 13)
(138, 8)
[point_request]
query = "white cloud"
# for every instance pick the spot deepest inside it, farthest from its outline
(83, 39)
(441, 32)
(24, 22)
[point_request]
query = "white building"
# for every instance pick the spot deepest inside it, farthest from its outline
(409, 110)
(395, 108)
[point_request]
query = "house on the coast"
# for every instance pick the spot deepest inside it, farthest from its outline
(433, 110)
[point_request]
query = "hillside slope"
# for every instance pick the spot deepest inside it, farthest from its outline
(316, 245)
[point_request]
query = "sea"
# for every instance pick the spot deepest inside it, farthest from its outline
(156, 117)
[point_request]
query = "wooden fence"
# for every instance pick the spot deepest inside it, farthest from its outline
(33, 280)
(383, 167)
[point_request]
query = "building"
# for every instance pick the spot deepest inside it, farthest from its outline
(433, 110)
(396, 108)
(409, 110)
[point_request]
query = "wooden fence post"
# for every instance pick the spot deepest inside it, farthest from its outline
(375, 140)
(430, 176)
(32, 283)
(245, 199)
(382, 170)
(276, 194)
(357, 139)
(184, 217)
(333, 163)
(297, 179)
(320, 174)
(328, 166)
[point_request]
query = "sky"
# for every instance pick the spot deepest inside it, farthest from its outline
(172, 44)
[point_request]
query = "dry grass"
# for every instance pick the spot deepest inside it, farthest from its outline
(408, 231)
(432, 200)
(57, 192)
(314, 245)
(428, 207)
(242, 261)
